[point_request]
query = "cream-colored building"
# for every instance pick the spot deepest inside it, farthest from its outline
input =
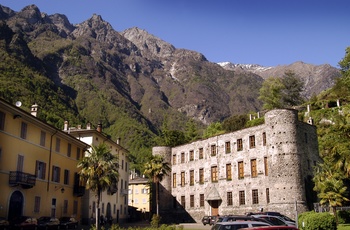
(114, 202)
(139, 196)
(38, 166)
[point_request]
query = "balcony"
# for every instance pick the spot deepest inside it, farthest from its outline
(18, 178)
(78, 190)
(124, 192)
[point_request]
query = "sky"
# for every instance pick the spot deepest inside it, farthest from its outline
(264, 32)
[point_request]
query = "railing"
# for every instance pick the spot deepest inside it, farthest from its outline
(124, 191)
(25, 180)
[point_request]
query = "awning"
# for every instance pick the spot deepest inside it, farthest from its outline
(213, 194)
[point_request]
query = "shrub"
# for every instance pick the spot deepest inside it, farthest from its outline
(155, 221)
(343, 217)
(317, 221)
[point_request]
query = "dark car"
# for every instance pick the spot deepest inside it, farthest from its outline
(272, 228)
(47, 222)
(4, 224)
(24, 222)
(228, 218)
(67, 222)
(208, 220)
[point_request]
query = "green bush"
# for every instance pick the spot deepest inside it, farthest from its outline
(343, 217)
(155, 221)
(316, 221)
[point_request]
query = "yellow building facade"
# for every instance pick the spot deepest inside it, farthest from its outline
(38, 166)
(114, 201)
(139, 195)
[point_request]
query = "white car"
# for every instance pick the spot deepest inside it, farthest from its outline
(234, 225)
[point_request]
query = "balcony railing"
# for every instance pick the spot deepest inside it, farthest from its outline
(124, 191)
(18, 178)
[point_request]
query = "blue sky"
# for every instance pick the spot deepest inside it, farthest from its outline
(265, 32)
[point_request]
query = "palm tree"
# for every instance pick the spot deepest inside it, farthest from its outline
(99, 170)
(155, 170)
(330, 187)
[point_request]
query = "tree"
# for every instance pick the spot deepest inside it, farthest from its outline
(270, 93)
(155, 169)
(213, 129)
(292, 88)
(330, 186)
(235, 122)
(281, 92)
(99, 170)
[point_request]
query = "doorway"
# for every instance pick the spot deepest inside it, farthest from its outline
(16, 205)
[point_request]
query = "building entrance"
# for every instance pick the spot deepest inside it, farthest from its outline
(16, 205)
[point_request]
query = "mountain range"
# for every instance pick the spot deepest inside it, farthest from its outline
(131, 81)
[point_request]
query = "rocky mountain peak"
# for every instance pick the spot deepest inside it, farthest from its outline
(31, 14)
(62, 23)
(147, 42)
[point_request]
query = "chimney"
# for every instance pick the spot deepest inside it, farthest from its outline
(65, 128)
(34, 110)
(99, 128)
(88, 126)
(118, 141)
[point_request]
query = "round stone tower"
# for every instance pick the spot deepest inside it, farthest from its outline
(285, 181)
(165, 197)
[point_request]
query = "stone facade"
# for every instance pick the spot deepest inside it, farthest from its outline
(267, 167)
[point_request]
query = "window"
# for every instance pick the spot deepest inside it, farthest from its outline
(58, 144)
(191, 155)
(240, 170)
(252, 142)
(241, 198)
(145, 190)
(214, 174)
(2, 121)
(75, 207)
(239, 144)
(24, 130)
(264, 138)
(254, 172)
(267, 195)
(174, 159)
(229, 199)
(191, 201)
(56, 174)
(65, 206)
(20, 162)
(213, 150)
(182, 157)
(174, 180)
(183, 201)
(69, 149)
(42, 138)
(182, 179)
(103, 208)
(66, 176)
(191, 177)
(228, 172)
(201, 176)
(255, 196)
(265, 167)
(40, 169)
(200, 153)
(122, 164)
(201, 200)
(37, 204)
(78, 153)
(228, 147)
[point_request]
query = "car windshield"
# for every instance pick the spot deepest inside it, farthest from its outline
(44, 218)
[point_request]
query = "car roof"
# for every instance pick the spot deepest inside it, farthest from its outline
(271, 227)
(241, 222)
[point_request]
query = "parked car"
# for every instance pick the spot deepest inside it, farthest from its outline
(272, 228)
(275, 220)
(67, 222)
(208, 220)
(228, 218)
(281, 216)
(234, 225)
(47, 222)
(24, 222)
(4, 224)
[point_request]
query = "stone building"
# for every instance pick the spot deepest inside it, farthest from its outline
(267, 167)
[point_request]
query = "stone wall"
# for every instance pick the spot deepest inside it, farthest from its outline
(282, 154)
